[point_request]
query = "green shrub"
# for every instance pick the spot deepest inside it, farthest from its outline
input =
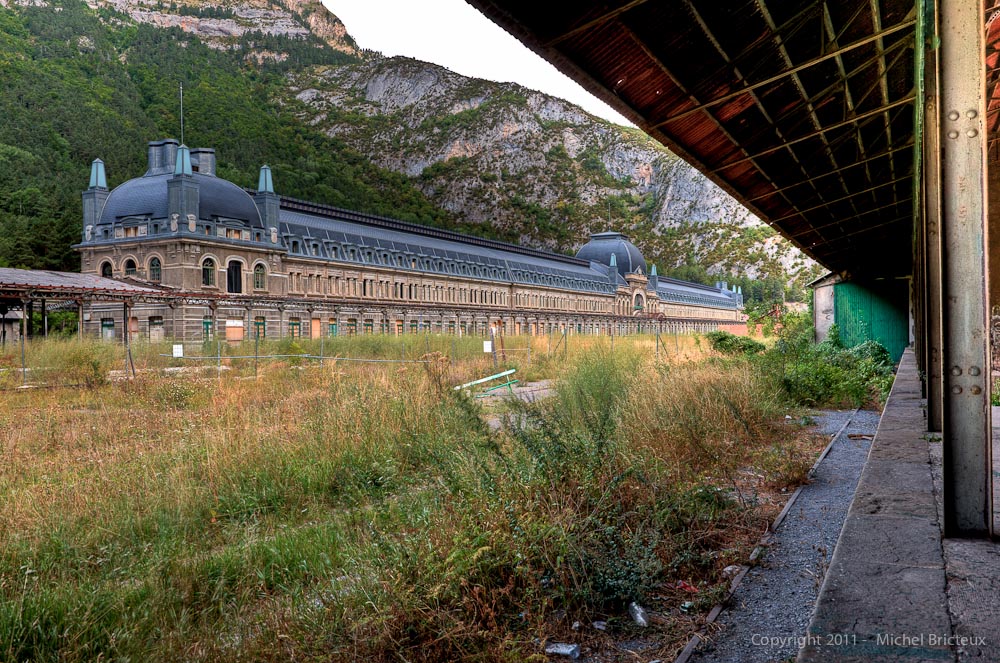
(873, 351)
(822, 374)
(833, 336)
(731, 344)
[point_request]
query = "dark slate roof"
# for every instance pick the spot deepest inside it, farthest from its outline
(602, 245)
(684, 292)
(329, 227)
(146, 196)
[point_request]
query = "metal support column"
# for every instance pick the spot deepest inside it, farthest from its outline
(932, 249)
(967, 453)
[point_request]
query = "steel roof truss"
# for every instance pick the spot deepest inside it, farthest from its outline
(873, 157)
(785, 74)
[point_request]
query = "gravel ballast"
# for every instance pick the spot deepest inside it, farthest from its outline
(768, 614)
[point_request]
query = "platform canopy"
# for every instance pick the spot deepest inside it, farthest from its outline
(802, 110)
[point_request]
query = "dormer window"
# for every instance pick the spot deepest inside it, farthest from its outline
(295, 246)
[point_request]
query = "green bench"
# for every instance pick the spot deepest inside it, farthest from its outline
(508, 383)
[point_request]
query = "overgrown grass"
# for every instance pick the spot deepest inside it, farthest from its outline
(367, 512)
(89, 362)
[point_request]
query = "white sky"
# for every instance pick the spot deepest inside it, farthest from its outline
(454, 35)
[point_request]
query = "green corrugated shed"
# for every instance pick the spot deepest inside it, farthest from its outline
(864, 314)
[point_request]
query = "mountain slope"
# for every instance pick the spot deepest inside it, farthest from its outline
(538, 168)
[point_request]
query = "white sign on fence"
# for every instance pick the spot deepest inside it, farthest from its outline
(487, 346)
(178, 350)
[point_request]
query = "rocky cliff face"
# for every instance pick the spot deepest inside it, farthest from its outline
(537, 169)
(219, 22)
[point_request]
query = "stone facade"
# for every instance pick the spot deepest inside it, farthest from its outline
(243, 263)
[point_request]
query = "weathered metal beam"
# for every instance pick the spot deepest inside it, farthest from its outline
(850, 237)
(860, 231)
(967, 442)
(806, 101)
(854, 164)
(837, 125)
(932, 239)
(775, 125)
(680, 86)
(842, 199)
(785, 74)
(603, 18)
(883, 84)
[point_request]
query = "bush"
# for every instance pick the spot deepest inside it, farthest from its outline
(731, 344)
(872, 351)
(825, 375)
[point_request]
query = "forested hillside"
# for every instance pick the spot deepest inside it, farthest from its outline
(74, 87)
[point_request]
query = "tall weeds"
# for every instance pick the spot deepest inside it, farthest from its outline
(366, 512)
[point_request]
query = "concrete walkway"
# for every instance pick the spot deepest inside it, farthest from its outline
(895, 591)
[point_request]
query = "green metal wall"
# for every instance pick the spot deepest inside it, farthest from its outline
(864, 314)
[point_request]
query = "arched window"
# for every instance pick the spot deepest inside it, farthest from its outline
(106, 270)
(208, 272)
(130, 267)
(259, 277)
(155, 270)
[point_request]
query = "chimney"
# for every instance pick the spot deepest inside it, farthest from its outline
(161, 155)
(654, 279)
(94, 198)
(182, 189)
(203, 160)
(153, 157)
(613, 271)
(268, 202)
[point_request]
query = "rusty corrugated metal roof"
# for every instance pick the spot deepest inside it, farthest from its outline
(40, 281)
(801, 109)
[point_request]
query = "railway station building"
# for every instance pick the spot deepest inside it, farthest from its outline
(241, 262)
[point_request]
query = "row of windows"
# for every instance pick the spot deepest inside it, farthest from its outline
(390, 259)
(142, 230)
(234, 275)
(385, 258)
(559, 302)
(155, 270)
(399, 290)
(393, 289)
(297, 327)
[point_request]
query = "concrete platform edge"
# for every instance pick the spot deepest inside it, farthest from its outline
(884, 596)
